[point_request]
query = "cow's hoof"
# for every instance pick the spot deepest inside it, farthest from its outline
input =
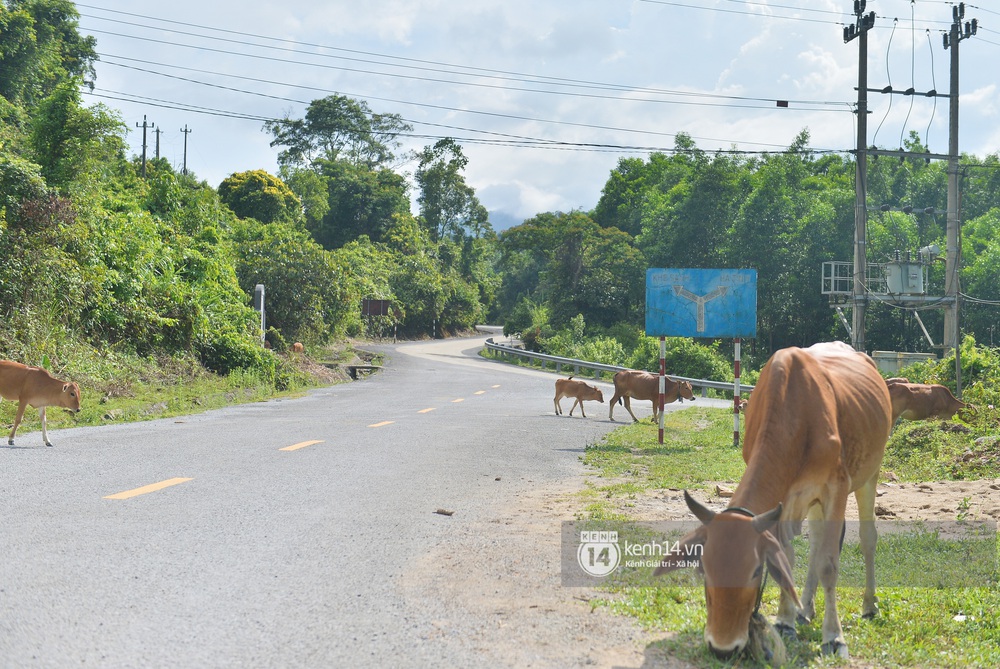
(786, 631)
(835, 647)
(48, 444)
(870, 615)
(802, 619)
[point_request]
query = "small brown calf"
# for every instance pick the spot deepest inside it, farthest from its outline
(35, 386)
(297, 347)
(578, 390)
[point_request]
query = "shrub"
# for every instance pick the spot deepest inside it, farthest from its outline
(684, 357)
(224, 352)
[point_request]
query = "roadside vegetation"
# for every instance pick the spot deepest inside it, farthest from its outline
(136, 389)
(917, 626)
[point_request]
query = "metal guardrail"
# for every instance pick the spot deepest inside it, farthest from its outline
(598, 367)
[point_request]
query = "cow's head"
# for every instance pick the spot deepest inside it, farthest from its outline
(598, 395)
(735, 549)
(70, 397)
(685, 391)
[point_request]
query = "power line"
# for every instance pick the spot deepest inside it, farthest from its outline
(419, 104)
(477, 84)
(499, 139)
(461, 70)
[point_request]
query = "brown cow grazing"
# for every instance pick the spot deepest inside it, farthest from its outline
(578, 390)
(818, 430)
(297, 347)
(35, 386)
(645, 386)
(918, 401)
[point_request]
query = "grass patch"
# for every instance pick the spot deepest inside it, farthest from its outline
(697, 448)
(932, 626)
(941, 451)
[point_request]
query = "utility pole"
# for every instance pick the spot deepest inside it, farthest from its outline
(186, 132)
(859, 290)
(953, 233)
(144, 126)
(157, 132)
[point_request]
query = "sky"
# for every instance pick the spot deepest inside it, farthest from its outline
(545, 96)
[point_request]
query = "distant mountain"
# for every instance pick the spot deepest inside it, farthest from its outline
(501, 220)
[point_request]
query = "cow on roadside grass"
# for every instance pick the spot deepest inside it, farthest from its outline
(36, 387)
(645, 386)
(821, 417)
(578, 390)
(919, 401)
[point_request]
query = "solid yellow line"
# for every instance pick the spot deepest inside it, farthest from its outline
(479, 392)
(460, 399)
(301, 444)
(426, 410)
(383, 423)
(147, 489)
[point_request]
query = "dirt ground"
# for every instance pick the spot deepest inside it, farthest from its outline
(504, 597)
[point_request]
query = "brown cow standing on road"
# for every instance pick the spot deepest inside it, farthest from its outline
(918, 401)
(578, 390)
(821, 417)
(35, 386)
(645, 386)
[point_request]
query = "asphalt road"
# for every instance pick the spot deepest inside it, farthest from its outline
(246, 553)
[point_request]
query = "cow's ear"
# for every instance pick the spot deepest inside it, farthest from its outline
(65, 387)
(778, 566)
(690, 550)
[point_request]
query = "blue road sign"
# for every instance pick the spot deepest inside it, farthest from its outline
(701, 302)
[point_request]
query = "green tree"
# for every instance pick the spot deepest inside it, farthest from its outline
(623, 197)
(448, 205)
(41, 47)
(686, 223)
(337, 128)
(362, 202)
(70, 141)
(307, 294)
(257, 194)
(574, 266)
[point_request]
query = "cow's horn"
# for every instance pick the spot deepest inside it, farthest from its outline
(766, 521)
(701, 512)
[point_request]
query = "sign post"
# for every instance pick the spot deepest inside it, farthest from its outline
(702, 303)
(258, 304)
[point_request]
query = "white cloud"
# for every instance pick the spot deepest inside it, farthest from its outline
(627, 44)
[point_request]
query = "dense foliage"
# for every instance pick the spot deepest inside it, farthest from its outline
(782, 214)
(99, 262)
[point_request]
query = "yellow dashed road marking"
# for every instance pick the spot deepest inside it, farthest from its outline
(496, 386)
(147, 489)
(460, 399)
(301, 444)
(426, 410)
(383, 423)
(479, 392)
